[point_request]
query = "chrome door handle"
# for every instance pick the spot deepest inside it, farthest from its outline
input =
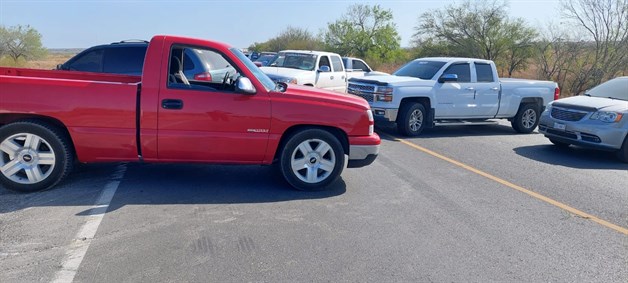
(495, 88)
(470, 88)
(331, 77)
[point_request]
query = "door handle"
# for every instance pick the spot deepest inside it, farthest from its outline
(470, 88)
(495, 88)
(172, 104)
(331, 77)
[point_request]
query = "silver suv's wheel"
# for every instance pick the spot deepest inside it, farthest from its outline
(312, 159)
(33, 156)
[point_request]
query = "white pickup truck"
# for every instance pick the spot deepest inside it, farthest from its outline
(312, 68)
(453, 91)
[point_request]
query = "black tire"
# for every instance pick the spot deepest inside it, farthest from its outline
(412, 118)
(527, 118)
(622, 154)
(559, 143)
(35, 167)
(316, 165)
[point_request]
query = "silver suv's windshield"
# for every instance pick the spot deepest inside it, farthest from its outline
(265, 80)
(420, 69)
(616, 88)
(301, 61)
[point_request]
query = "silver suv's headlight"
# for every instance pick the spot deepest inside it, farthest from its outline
(607, 116)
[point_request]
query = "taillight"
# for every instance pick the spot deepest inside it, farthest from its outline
(203, 77)
(556, 93)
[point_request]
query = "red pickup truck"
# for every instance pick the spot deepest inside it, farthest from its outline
(218, 108)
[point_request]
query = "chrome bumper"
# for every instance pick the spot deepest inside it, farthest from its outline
(385, 114)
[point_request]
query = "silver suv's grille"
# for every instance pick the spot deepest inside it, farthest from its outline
(567, 114)
(362, 90)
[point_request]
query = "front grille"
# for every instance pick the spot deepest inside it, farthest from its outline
(565, 114)
(362, 90)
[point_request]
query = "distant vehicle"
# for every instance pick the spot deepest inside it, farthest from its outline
(124, 57)
(453, 91)
(598, 119)
(311, 68)
(356, 67)
(127, 58)
(265, 58)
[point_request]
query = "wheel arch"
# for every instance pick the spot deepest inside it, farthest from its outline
(338, 133)
(6, 119)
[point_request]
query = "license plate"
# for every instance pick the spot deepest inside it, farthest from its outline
(559, 126)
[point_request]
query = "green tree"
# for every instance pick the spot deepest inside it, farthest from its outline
(605, 23)
(365, 31)
(21, 42)
(478, 29)
(290, 38)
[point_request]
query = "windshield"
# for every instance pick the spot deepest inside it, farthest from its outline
(616, 88)
(265, 80)
(301, 61)
(420, 69)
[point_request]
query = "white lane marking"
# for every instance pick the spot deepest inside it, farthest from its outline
(77, 250)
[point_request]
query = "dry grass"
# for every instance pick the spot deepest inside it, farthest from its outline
(50, 62)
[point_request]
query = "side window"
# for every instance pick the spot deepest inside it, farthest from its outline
(337, 63)
(324, 62)
(462, 70)
(124, 60)
(359, 65)
(88, 62)
(200, 69)
(484, 72)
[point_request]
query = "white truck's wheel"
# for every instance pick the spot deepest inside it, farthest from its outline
(411, 120)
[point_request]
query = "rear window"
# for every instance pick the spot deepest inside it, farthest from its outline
(337, 64)
(91, 61)
(484, 72)
(124, 60)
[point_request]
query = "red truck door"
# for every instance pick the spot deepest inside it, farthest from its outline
(202, 118)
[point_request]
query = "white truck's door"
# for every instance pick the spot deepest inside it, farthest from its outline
(324, 79)
(339, 77)
(487, 89)
(456, 99)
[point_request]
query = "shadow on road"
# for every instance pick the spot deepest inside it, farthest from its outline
(573, 157)
(157, 184)
(453, 131)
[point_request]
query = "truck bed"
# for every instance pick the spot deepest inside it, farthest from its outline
(92, 106)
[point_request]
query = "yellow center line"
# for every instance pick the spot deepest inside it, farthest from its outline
(513, 186)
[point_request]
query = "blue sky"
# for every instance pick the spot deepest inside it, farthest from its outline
(80, 24)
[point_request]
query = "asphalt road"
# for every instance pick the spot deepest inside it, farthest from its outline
(475, 203)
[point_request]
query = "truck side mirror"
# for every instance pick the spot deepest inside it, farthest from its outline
(60, 67)
(243, 85)
(448, 78)
(324, 69)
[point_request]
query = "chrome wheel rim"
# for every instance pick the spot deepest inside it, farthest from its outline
(26, 158)
(313, 161)
(529, 118)
(416, 120)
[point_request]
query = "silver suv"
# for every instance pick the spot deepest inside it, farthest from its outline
(598, 119)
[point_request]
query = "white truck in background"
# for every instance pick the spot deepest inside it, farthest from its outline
(311, 68)
(427, 92)
(356, 67)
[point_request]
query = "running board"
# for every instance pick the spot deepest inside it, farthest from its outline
(464, 123)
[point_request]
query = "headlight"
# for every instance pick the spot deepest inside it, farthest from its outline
(384, 93)
(606, 116)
